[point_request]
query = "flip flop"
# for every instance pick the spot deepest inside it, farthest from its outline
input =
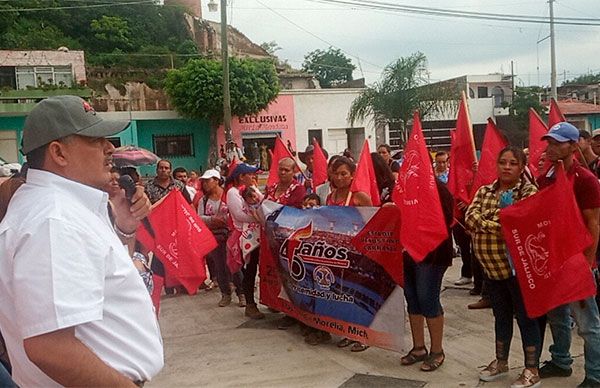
(432, 362)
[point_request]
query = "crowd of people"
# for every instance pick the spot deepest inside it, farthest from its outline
(74, 279)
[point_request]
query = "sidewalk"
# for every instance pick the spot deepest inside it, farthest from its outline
(207, 345)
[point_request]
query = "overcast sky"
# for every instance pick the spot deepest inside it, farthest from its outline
(453, 46)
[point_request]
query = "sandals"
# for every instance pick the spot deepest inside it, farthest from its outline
(412, 358)
(358, 347)
(433, 361)
(344, 342)
(317, 337)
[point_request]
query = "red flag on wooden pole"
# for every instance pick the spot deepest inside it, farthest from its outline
(423, 225)
(319, 165)
(493, 143)
(537, 146)
(462, 155)
(364, 177)
(550, 271)
(280, 151)
(555, 116)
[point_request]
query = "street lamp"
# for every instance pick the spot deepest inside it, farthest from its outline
(212, 7)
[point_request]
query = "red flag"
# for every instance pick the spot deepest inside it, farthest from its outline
(493, 143)
(550, 272)
(423, 225)
(319, 165)
(555, 116)
(379, 240)
(280, 151)
(462, 155)
(181, 240)
(537, 146)
(364, 177)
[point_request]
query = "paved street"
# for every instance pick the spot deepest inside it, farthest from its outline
(206, 345)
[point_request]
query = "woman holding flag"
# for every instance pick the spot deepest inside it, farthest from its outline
(343, 170)
(482, 219)
(243, 175)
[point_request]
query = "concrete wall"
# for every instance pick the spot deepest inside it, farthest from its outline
(47, 58)
(327, 109)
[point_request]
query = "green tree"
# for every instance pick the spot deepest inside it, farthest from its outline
(111, 32)
(270, 47)
(524, 98)
(404, 87)
(586, 79)
(330, 67)
(196, 90)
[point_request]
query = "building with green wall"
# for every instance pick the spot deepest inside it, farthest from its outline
(184, 142)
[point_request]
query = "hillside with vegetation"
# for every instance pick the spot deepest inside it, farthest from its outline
(116, 34)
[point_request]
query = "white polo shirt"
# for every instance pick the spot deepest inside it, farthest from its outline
(62, 265)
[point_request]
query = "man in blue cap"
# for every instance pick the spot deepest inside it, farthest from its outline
(562, 141)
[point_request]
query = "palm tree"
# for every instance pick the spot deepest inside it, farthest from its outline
(403, 88)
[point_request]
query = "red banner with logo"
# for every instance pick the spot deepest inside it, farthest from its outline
(181, 240)
(546, 246)
(423, 226)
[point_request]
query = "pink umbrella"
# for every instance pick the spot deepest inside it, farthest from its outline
(133, 156)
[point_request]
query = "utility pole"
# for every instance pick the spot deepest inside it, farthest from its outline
(225, 59)
(553, 91)
(512, 81)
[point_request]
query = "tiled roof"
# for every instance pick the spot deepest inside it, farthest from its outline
(573, 107)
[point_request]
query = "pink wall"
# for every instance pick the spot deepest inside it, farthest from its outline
(279, 116)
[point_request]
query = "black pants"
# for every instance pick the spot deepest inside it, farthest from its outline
(463, 240)
(506, 300)
(479, 280)
(219, 259)
(249, 276)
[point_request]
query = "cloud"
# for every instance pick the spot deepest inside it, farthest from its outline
(453, 46)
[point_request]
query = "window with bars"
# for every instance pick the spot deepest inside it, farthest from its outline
(173, 145)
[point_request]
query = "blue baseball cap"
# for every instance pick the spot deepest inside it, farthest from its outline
(242, 168)
(562, 133)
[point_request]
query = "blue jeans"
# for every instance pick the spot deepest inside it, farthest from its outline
(422, 286)
(5, 379)
(588, 327)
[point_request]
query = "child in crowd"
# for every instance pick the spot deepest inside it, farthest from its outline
(310, 201)
(251, 197)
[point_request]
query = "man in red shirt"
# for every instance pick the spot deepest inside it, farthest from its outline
(562, 141)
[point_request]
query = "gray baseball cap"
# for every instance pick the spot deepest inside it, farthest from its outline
(56, 117)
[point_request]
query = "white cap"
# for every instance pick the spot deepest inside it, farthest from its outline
(212, 173)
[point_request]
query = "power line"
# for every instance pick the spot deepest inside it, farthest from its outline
(379, 5)
(314, 35)
(77, 6)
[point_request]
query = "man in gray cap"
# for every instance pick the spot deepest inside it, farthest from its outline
(74, 310)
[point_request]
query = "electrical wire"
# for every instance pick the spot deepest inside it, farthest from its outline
(149, 2)
(316, 36)
(461, 14)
